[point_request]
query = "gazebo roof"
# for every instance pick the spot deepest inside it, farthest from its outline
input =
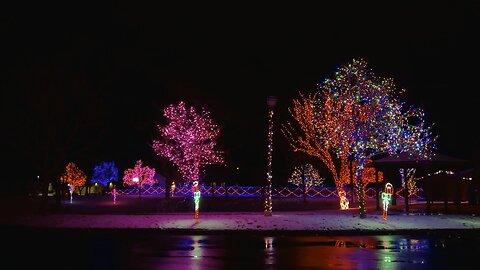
(406, 159)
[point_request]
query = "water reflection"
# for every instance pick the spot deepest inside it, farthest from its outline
(269, 251)
(151, 250)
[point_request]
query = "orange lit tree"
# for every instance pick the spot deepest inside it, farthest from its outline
(316, 132)
(73, 176)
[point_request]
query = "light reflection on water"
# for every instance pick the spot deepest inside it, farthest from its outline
(313, 252)
(151, 250)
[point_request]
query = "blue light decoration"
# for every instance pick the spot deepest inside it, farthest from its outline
(386, 198)
(105, 173)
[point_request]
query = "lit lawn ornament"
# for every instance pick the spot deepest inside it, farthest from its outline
(343, 200)
(196, 198)
(114, 192)
(172, 188)
(386, 198)
(71, 188)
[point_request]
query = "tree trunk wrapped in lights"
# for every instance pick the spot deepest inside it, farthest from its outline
(268, 189)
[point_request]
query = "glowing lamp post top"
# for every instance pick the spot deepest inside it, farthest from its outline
(271, 101)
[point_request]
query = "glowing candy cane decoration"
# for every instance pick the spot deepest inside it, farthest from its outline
(196, 197)
(386, 197)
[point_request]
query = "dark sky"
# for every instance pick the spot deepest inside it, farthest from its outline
(138, 58)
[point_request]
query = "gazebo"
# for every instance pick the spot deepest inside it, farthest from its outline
(406, 160)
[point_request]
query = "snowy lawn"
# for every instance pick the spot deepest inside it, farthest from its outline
(284, 221)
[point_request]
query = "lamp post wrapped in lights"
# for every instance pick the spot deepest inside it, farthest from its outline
(271, 101)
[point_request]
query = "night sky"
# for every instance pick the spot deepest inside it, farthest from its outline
(128, 61)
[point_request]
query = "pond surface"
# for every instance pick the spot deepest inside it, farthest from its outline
(129, 249)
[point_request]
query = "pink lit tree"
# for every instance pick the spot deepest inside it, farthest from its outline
(139, 176)
(188, 140)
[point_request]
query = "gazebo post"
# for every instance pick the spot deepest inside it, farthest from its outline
(458, 179)
(427, 189)
(445, 202)
(352, 190)
(377, 189)
(406, 192)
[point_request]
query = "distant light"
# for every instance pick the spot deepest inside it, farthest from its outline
(135, 179)
(238, 168)
(38, 176)
(96, 184)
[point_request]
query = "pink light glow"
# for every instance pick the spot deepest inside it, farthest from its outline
(188, 140)
(139, 175)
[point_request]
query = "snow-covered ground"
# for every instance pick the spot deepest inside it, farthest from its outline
(252, 221)
(131, 212)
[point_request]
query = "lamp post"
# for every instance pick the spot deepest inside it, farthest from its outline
(271, 101)
(136, 180)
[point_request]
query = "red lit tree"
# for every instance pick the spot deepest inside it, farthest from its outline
(139, 176)
(188, 140)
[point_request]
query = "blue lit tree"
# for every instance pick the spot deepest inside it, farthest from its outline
(105, 173)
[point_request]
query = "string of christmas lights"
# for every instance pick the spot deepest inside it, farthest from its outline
(268, 188)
